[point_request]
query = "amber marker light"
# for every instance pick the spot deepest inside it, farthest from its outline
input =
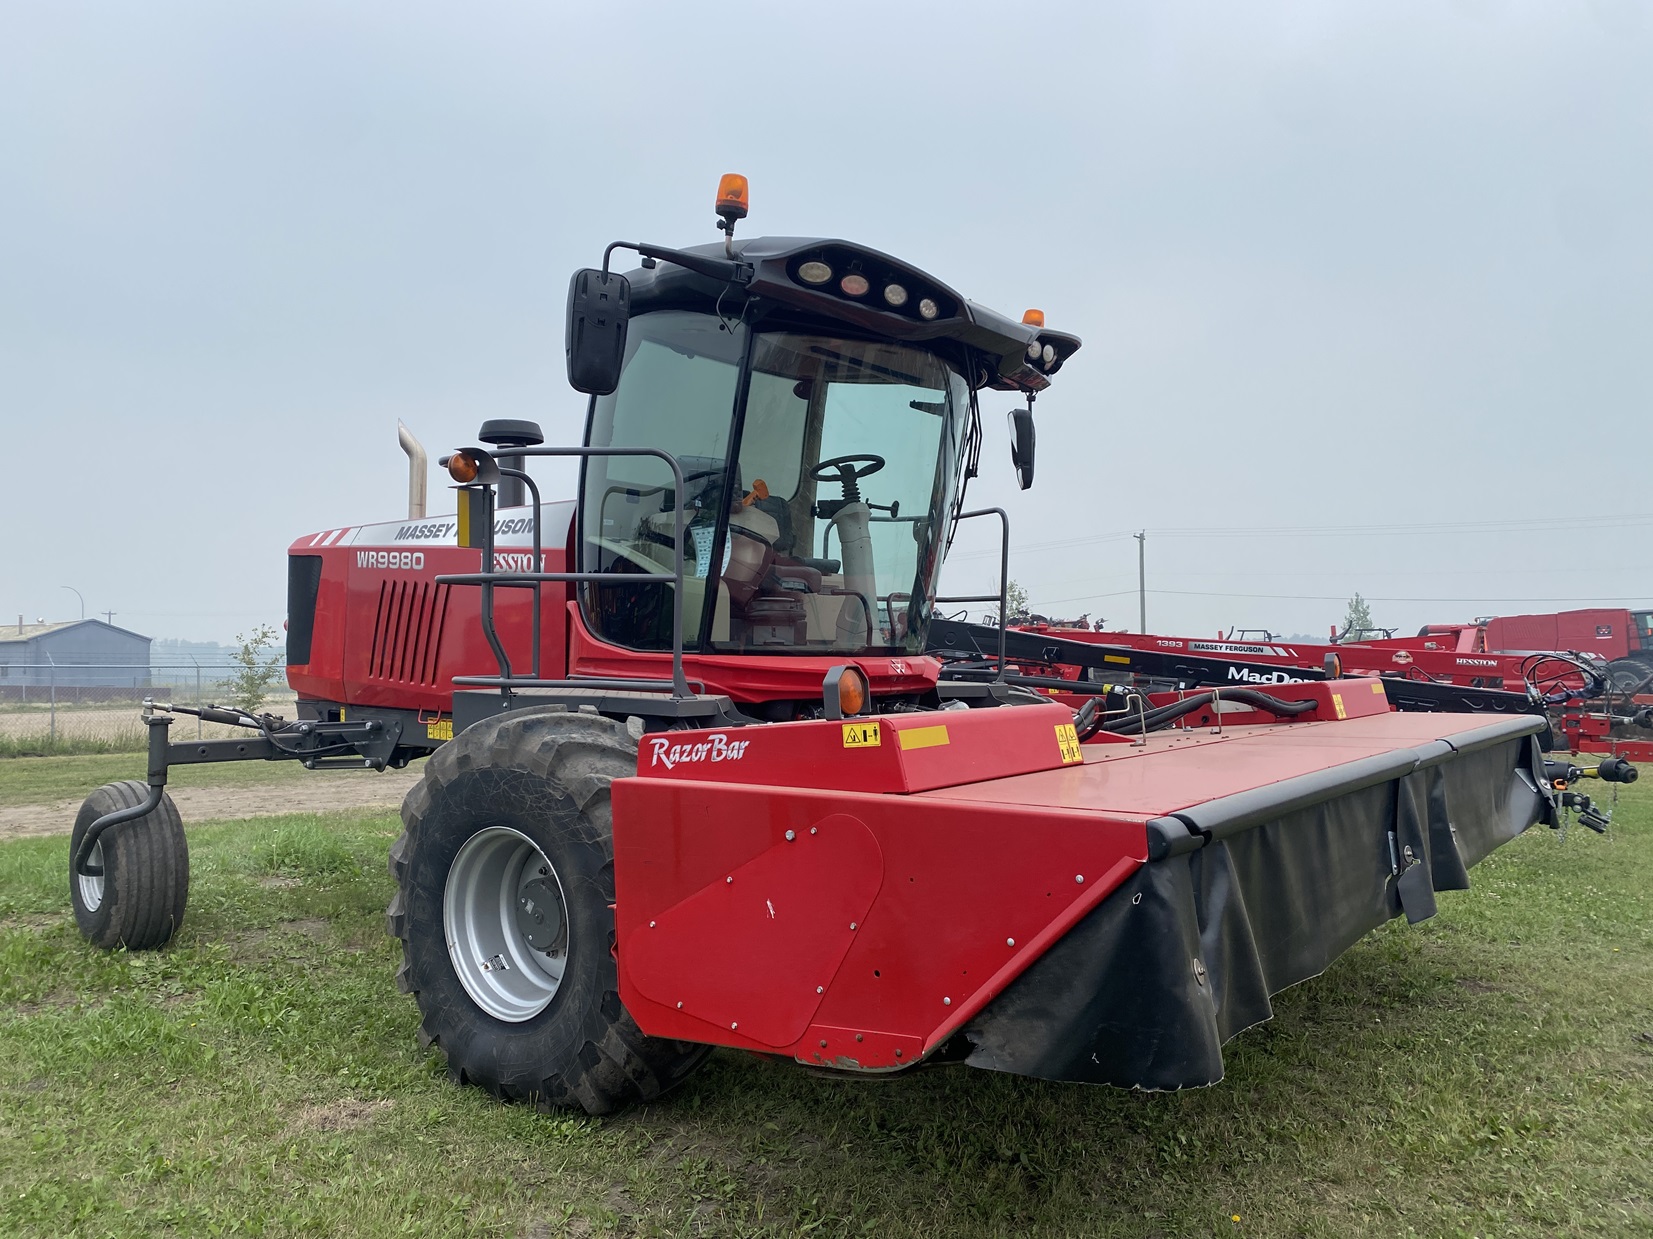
(1034, 318)
(844, 691)
(732, 196)
(852, 693)
(462, 467)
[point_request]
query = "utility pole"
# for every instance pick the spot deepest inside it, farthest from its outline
(1142, 577)
(110, 616)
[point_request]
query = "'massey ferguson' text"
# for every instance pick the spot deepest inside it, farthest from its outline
(414, 561)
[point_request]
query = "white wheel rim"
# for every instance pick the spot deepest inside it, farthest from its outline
(91, 885)
(498, 895)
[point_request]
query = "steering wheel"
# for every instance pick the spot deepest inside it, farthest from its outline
(842, 469)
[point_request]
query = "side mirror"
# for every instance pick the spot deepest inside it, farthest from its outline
(599, 307)
(1021, 445)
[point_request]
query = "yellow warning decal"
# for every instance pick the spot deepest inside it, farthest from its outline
(1117, 658)
(1337, 704)
(1377, 687)
(439, 729)
(1067, 739)
(924, 737)
(862, 736)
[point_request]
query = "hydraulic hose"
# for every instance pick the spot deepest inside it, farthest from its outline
(1595, 679)
(1088, 718)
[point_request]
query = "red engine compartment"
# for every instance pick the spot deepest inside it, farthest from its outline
(383, 633)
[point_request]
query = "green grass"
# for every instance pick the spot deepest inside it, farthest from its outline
(44, 744)
(45, 780)
(1487, 1073)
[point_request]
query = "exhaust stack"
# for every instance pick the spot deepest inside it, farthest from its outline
(418, 471)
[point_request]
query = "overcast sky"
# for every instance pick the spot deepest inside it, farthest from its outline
(1366, 289)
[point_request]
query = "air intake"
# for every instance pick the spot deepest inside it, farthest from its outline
(407, 636)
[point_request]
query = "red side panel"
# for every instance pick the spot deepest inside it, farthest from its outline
(1603, 631)
(774, 913)
(1522, 632)
(890, 753)
(955, 908)
(1598, 631)
(386, 634)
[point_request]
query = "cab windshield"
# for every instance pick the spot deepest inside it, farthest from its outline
(821, 537)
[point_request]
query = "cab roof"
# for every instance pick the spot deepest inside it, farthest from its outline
(1011, 356)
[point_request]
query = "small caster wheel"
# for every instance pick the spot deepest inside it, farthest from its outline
(135, 894)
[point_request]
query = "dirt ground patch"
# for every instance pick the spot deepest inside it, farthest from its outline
(346, 1114)
(327, 792)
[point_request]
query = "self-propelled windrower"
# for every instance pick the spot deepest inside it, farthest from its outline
(695, 781)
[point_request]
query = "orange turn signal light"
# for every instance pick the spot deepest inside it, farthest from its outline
(852, 693)
(1034, 318)
(844, 691)
(462, 467)
(732, 196)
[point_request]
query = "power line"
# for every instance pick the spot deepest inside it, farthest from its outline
(1569, 524)
(1198, 593)
(1640, 570)
(1523, 524)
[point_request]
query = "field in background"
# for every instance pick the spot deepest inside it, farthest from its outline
(1487, 1073)
(45, 712)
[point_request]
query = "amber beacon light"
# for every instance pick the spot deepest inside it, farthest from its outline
(732, 196)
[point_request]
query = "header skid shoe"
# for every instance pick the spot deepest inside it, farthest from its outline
(870, 894)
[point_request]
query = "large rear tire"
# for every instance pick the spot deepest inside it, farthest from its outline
(1629, 675)
(505, 881)
(138, 901)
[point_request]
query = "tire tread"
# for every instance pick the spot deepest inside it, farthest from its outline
(146, 871)
(613, 1063)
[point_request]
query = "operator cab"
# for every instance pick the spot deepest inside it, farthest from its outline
(820, 398)
(825, 532)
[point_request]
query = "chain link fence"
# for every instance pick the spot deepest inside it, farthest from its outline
(95, 707)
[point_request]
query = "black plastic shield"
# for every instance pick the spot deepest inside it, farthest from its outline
(1145, 990)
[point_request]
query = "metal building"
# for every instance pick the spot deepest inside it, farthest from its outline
(77, 654)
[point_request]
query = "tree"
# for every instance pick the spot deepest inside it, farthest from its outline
(1017, 599)
(1358, 617)
(254, 673)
